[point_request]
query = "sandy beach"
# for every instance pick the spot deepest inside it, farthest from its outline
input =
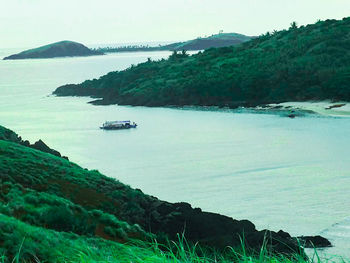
(326, 108)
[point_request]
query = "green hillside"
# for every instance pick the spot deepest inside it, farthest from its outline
(58, 49)
(303, 63)
(52, 209)
(214, 41)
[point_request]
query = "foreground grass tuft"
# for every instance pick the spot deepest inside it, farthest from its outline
(21, 242)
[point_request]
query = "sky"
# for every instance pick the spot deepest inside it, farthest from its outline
(31, 23)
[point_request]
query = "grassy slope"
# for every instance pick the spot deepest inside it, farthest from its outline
(67, 213)
(28, 242)
(57, 177)
(306, 63)
(43, 172)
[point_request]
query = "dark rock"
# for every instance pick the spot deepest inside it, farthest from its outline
(277, 107)
(8, 135)
(26, 143)
(283, 234)
(314, 241)
(335, 106)
(215, 230)
(41, 146)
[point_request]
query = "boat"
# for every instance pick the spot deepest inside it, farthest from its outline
(118, 125)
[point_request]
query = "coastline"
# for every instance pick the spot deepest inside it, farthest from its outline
(323, 108)
(327, 108)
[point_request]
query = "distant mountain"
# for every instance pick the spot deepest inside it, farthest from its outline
(58, 49)
(303, 63)
(214, 41)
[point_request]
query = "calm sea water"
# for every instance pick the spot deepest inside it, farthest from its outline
(280, 173)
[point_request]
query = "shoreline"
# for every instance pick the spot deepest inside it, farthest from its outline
(319, 108)
(323, 108)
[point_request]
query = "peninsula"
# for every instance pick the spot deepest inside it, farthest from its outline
(58, 49)
(200, 43)
(299, 64)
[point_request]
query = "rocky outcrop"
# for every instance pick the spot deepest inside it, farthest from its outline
(215, 230)
(41, 146)
(314, 241)
(8, 135)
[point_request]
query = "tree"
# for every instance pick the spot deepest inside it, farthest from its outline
(293, 25)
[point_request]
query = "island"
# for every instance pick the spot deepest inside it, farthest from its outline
(200, 43)
(58, 49)
(53, 210)
(299, 64)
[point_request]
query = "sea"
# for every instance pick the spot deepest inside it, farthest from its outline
(278, 172)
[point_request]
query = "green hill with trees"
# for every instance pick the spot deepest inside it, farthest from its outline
(200, 43)
(52, 210)
(58, 49)
(303, 63)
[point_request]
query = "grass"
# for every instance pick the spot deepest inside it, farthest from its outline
(26, 243)
(57, 213)
(46, 173)
(52, 210)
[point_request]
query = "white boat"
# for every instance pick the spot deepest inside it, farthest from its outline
(118, 125)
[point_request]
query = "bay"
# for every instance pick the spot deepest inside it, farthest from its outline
(280, 173)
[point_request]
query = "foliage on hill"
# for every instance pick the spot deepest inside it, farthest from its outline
(307, 63)
(22, 242)
(58, 49)
(45, 198)
(87, 191)
(214, 41)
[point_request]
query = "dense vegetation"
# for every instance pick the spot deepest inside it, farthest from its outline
(214, 41)
(54, 210)
(307, 63)
(59, 49)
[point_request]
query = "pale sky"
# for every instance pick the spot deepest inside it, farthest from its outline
(31, 23)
